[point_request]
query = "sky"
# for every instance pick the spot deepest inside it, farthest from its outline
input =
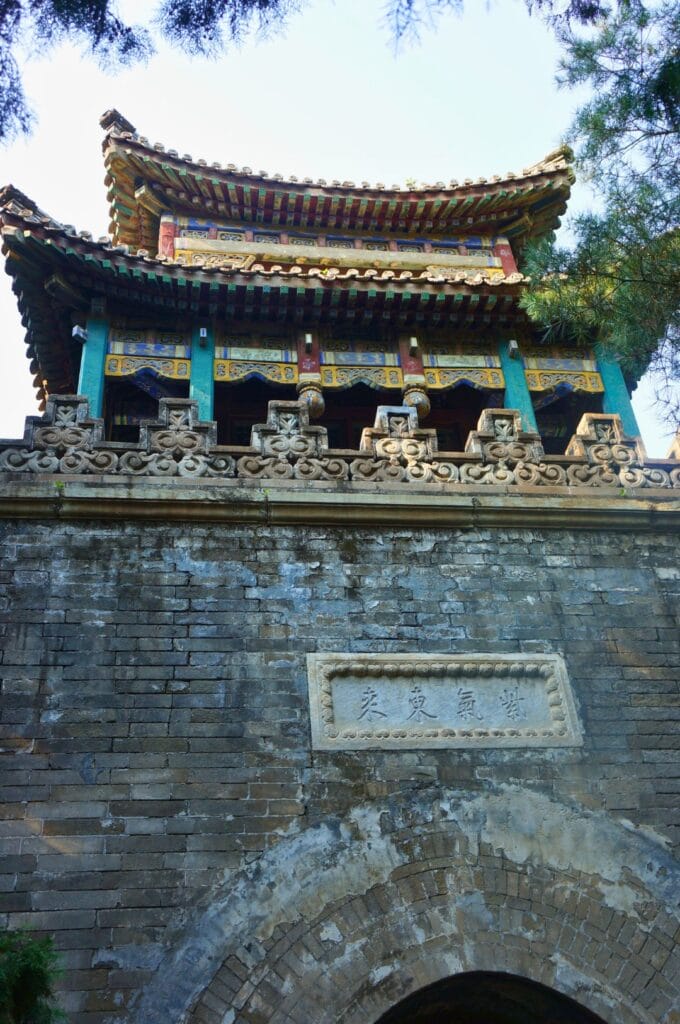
(330, 97)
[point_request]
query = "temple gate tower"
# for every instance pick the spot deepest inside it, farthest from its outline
(339, 615)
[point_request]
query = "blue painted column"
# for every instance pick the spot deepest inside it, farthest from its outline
(517, 394)
(201, 384)
(616, 398)
(91, 377)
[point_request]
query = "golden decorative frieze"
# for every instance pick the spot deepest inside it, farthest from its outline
(482, 378)
(195, 246)
(234, 369)
(546, 380)
(373, 376)
(126, 366)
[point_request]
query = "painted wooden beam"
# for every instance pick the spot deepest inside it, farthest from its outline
(517, 395)
(616, 398)
(93, 359)
(201, 383)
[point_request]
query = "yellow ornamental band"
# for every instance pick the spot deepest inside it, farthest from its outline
(230, 370)
(481, 378)
(545, 380)
(373, 376)
(126, 366)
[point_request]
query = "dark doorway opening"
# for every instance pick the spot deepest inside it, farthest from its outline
(128, 401)
(455, 413)
(485, 997)
(238, 407)
(557, 420)
(348, 412)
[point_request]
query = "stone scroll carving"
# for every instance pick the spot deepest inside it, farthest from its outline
(360, 701)
(395, 450)
(287, 447)
(500, 439)
(65, 427)
(65, 441)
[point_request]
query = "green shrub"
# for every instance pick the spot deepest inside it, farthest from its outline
(28, 971)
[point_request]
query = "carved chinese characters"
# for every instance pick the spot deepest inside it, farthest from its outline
(421, 700)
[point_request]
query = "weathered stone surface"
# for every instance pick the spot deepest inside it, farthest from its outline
(165, 814)
(395, 450)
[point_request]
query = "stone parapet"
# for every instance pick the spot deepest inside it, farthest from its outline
(66, 442)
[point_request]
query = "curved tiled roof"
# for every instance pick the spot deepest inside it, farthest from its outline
(57, 271)
(17, 209)
(145, 178)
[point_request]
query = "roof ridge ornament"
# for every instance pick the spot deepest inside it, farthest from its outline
(562, 156)
(113, 121)
(11, 194)
(15, 202)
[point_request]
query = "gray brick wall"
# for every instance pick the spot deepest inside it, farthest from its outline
(155, 732)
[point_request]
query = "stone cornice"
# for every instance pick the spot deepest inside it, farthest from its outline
(64, 468)
(302, 503)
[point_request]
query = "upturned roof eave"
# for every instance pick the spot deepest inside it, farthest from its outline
(554, 165)
(57, 272)
(129, 156)
(30, 224)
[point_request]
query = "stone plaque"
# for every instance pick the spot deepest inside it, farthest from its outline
(389, 701)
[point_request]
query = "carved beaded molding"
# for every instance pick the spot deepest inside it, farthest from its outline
(384, 701)
(395, 450)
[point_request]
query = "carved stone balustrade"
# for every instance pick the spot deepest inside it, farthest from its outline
(509, 453)
(499, 438)
(400, 449)
(65, 441)
(287, 447)
(612, 456)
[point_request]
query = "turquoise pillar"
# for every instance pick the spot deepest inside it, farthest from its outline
(616, 398)
(517, 395)
(201, 384)
(93, 359)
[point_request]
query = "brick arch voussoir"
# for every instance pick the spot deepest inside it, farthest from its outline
(338, 916)
(435, 920)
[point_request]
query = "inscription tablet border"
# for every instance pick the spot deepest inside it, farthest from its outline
(563, 731)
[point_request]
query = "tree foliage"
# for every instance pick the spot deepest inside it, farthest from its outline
(201, 27)
(198, 26)
(36, 25)
(620, 282)
(407, 18)
(28, 971)
(204, 27)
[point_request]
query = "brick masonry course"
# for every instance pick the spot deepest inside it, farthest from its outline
(156, 741)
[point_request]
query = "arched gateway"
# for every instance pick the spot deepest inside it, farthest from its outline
(487, 997)
(342, 923)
